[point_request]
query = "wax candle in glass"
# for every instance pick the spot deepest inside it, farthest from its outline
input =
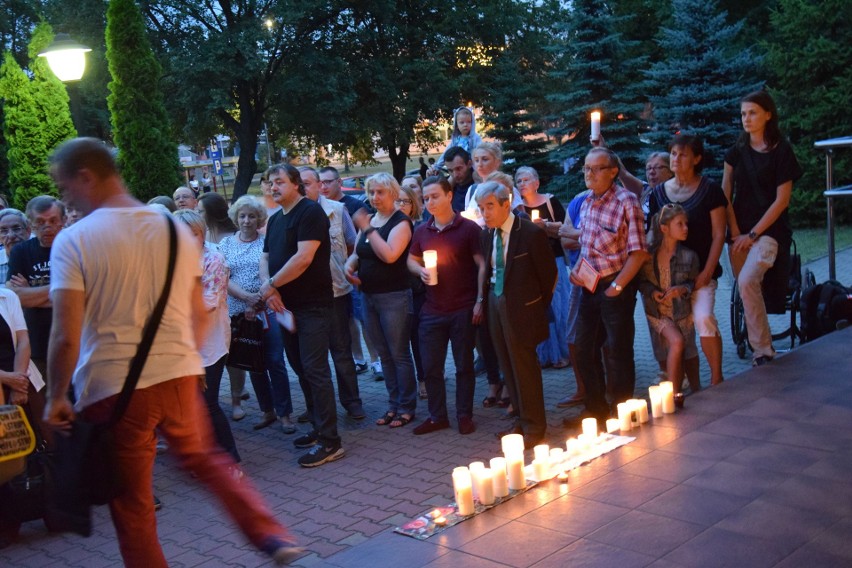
(463, 489)
(430, 261)
(596, 126)
(498, 477)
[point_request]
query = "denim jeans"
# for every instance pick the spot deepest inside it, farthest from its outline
(436, 330)
(221, 427)
(388, 319)
(340, 345)
(307, 351)
(278, 396)
(606, 320)
(174, 409)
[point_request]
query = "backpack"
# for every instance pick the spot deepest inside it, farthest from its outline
(822, 307)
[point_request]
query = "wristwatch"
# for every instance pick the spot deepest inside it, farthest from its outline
(616, 286)
(369, 230)
(752, 235)
(271, 283)
(480, 299)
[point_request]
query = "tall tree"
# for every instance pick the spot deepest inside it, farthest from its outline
(808, 56)
(147, 152)
(705, 72)
(48, 92)
(26, 148)
(593, 70)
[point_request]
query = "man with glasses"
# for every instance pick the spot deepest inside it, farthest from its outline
(612, 245)
(14, 229)
(332, 189)
(29, 272)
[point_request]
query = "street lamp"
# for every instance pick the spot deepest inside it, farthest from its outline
(66, 58)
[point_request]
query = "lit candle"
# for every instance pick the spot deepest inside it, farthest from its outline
(498, 477)
(590, 428)
(556, 456)
(656, 397)
(440, 521)
(486, 487)
(470, 215)
(475, 469)
(541, 469)
(534, 215)
(512, 444)
(612, 425)
(562, 477)
(624, 417)
(642, 407)
(596, 126)
(572, 446)
(430, 261)
(634, 412)
(463, 490)
(515, 468)
(667, 390)
(541, 452)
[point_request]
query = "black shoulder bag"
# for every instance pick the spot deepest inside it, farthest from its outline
(85, 470)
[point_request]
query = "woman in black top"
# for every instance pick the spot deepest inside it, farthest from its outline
(378, 265)
(758, 180)
(705, 206)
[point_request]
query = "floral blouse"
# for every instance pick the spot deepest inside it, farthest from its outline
(243, 260)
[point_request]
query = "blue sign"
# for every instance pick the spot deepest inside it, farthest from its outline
(215, 150)
(217, 166)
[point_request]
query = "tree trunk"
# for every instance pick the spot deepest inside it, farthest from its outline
(246, 165)
(399, 158)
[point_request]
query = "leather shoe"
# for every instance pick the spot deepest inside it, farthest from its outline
(570, 401)
(428, 426)
(466, 425)
(532, 441)
(516, 429)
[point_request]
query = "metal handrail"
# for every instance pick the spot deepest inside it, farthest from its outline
(831, 192)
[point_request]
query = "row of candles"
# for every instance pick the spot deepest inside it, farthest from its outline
(506, 473)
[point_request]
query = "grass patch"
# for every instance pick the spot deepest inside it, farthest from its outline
(813, 241)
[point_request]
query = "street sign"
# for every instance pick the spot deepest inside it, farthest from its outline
(215, 150)
(217, 166)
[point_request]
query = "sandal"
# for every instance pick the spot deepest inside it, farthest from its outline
(386, 419)
(401, 420)
(489, 401)
(504, 402)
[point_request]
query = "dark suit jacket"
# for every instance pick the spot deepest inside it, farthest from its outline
(529, 279)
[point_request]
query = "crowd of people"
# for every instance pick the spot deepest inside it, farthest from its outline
(469, 258)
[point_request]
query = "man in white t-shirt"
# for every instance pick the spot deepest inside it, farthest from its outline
(105, 256)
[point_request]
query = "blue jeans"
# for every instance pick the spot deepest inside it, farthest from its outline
(307, 351)
(388, 320)
(606, 320)
(278, 396)
(436, 330)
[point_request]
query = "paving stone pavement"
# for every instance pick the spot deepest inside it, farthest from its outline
(387, 477)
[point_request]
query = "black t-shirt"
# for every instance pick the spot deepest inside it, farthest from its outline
(707, 197)
(7, 347)
(305, 222)
(32, 260)
(544, 215)
(377, 276)
(772, 169)
(459, 193)
(353, 204)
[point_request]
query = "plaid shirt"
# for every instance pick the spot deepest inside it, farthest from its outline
(611, 226)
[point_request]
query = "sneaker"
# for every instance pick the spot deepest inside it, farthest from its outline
(281, 551)
(303, 418)
(238, 413)
(377, 371)
(320, 454)
(361, 368)
(287, 425)
(306, 441)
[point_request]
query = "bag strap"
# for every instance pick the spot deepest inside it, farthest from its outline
(751, 170)
(549, 196)
(150, 331)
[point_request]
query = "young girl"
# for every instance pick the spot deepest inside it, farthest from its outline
(464, 133)
(667, 280)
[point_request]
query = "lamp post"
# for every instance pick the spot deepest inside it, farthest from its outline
(66, 58)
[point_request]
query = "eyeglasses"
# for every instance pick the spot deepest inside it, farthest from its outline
(595, 170)
(655, 168)
(524, 181)
(42, 225)
(328, 181)
(402, 201)
(18, 230)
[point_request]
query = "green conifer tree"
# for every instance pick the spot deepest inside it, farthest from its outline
(706, 70)
(594, 70)
(26, 150)
(147, 152)
(48, 92)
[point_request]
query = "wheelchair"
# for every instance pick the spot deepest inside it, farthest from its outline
(796, 282)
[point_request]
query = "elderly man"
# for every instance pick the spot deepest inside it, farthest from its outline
(185, 198)
(521, 277)
(612, 249)
(106, 255)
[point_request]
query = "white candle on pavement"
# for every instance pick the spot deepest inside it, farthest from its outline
(624, 416)
(590, 428)
(498, 477)
(667, 390)
(656, 397)
(612, 425)
(463, 490)
(486, 487)
(515, 468)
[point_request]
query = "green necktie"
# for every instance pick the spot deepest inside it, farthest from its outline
(499, 264)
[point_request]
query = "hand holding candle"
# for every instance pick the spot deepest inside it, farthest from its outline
(535, 215)
(430, 261)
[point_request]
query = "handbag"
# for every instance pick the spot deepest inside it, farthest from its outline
(17, 440)
(246, 350)
(85, 468)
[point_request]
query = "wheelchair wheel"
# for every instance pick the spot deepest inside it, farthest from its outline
(739, 333)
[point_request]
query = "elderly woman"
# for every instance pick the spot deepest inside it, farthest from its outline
(758, 180)
(242, 254)
(378, 265)
(14, 228)
(185, 198)
(214, 210)
(705, 206)
(553, 352)
(214, 351)
(410, 203)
